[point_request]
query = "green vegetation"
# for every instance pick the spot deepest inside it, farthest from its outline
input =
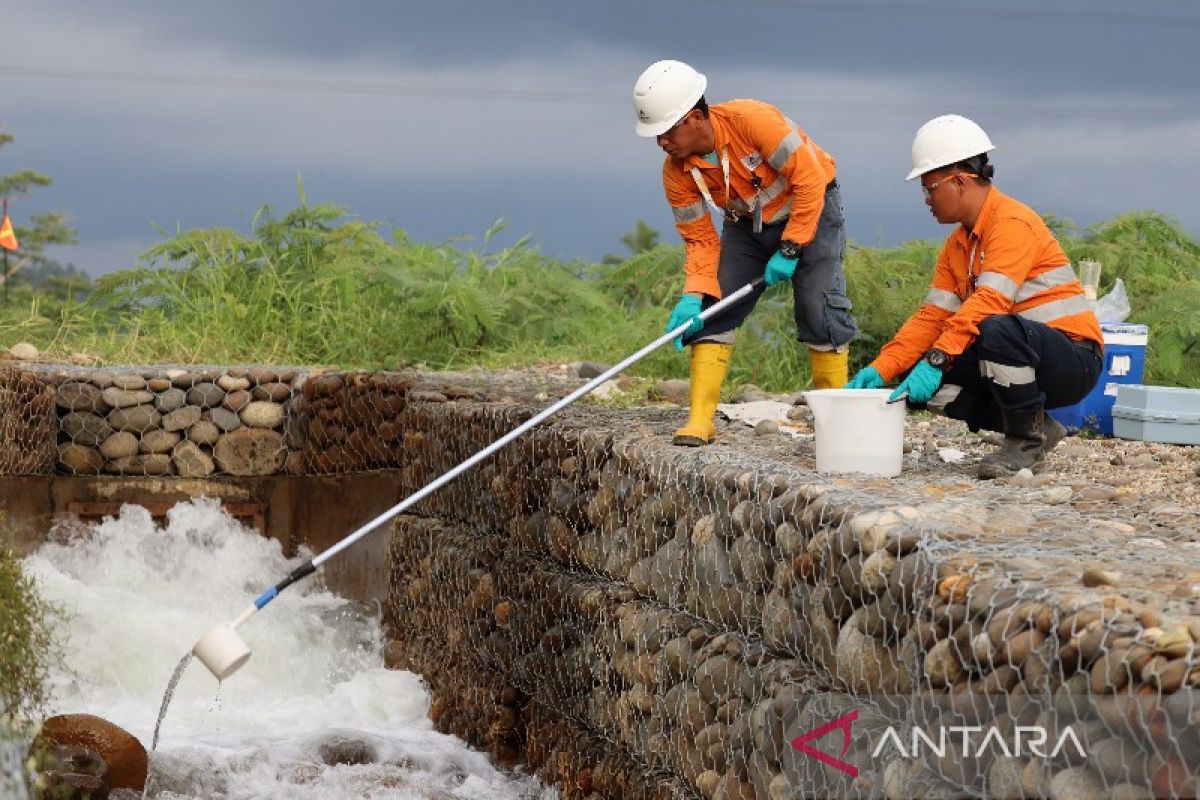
(317, 286)
(26, 643)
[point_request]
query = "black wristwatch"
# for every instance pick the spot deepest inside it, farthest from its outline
(938, 358)
(790, 249)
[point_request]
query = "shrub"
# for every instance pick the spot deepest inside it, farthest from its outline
(26, 642)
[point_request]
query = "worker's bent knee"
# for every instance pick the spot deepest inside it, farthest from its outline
(1000, 329)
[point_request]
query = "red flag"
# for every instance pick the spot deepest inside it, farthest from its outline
(8, 239)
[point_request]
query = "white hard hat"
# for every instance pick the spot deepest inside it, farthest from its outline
(946, 140)
(663, 94)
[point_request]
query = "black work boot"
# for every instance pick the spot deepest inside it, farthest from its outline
(1053, 431)
(1024, 438)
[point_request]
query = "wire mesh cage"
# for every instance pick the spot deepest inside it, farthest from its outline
(636, 620)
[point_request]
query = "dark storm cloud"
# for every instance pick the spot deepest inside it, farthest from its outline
(443, 116)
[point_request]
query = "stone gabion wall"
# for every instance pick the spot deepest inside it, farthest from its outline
(638, 620)
(695, 611)
(197, 422)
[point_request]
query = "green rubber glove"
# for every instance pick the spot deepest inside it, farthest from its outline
(687, 308)
(866, 378)
(921, 383)
(779, 269)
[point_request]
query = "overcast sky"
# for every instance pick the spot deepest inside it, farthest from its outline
(442, 116)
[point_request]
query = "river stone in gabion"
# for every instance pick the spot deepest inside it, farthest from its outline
(191, 461)
(262, 414)
(124, 398)
(275, 392)
(155, 464)
(158, 441)
(204, 432)
(181, 379)
(84, 428)
(231, 383)
(261, 375)
(237, 400)
(77, 459)
(120, 445)
(158, 384)
(181, 418)
(137, 418)
(75, 396)
(205, 395)
(225, 419)
(250, 451)
(129, 382)
(170, 400)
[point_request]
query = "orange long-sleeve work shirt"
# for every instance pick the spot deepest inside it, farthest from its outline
(761, 144)
(1010, 263)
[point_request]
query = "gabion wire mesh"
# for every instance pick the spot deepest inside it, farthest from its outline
(27, 427)
(700, 612)
(197, 422)
(639, 621)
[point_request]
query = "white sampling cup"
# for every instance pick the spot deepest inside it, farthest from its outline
(1089, 277)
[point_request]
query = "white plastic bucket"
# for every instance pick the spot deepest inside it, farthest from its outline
(858, 431)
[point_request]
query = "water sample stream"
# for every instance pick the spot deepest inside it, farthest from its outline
(312, 714)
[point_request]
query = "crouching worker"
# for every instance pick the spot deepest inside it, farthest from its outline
(1005, 331)
(777, 194)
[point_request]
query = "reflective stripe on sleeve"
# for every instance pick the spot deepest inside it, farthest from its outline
(1048, 312)
(999, 282)
(689, 213)
(1047, 280)
(771, 192)
(940, 298)
(782, 214)
(805, 142)
(790, 144)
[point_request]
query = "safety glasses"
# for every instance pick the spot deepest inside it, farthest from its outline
(928, 190)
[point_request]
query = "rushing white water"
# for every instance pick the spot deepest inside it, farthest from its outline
(139, 596)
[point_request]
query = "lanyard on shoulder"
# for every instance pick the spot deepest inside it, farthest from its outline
(703, 187)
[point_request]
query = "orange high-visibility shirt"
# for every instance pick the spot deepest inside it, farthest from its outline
(1010, 263)
(759, 141)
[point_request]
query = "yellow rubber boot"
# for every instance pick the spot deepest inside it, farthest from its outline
(830, 369)
(710, 361)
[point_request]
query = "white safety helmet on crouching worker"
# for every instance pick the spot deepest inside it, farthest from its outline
(663, 94)
(946, 140)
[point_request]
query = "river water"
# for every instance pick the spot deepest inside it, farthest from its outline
(138, 596)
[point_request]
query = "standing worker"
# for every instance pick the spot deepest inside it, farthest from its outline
(1005, 331)
(782, 211)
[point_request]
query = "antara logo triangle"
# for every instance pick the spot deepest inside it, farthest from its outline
(843, 723)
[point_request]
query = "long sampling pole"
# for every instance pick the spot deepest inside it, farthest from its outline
(310, 566)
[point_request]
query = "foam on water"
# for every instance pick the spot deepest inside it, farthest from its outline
(139, 596)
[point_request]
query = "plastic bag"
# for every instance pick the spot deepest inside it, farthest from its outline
(1114, 306)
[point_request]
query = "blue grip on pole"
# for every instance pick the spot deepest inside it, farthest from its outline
(265, 597)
